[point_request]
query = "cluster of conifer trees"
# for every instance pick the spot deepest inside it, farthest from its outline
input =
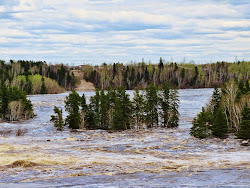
(181, 75)
(113, 109)
(14, 104)
(227, 112)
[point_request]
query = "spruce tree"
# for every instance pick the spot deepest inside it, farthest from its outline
(138, 109)
(104, 105)
(90, 117)
(244, 131)
(43, 87)
(219, 126)
(165, 106)
(216, 98)
(72, 104)
(161, 65)
(4, 101)
(122, 110)
(93, 112)
(57, 119)
(174, 105)
(201, 125)
(84, 108)
(151, 106)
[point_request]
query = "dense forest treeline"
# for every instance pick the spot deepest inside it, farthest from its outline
(113, 109)
(140, 75)
(35, 77)
(227, 112)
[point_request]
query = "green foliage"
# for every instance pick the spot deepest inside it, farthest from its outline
(8, 95)
(104, 107)
(164, 103)
(113, 110)
(224, 112)
(138, 109)
(93, 112)
(72, 104)
(161, 65)
(216, 98)
(57, 119)
(43, 87)
(27, 75)
(4, 100)
(219, 127)
(151, 106)
(122, 111)
(174, 105)
(202, 124)
(178, 75)
(244, 131)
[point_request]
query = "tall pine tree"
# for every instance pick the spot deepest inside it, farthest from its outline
(151, 106)
(219, 126)
(244, 131)
(72, 104)
(138, 109)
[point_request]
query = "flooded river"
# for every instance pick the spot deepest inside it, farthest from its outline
(44, 157)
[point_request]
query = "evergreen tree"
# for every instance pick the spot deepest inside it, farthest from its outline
(114, 71)
(247, 86)
(122, 110)
(72, 104)
(146, 75)
(132, 77)
(174, 105)
(182, 73)
(93, 112)
(90, 117)
(4, 101)
(244, 131)
(216, 98)
(104, 107)
(161, 65)
(84, 108)
(219, 126)
(125, 78)
(43, 87)
(111, 96)
(165, 106)
(28, 87)
(201, 125)
(151, 106)
(138, 109)
(57, 119)
(195, 77)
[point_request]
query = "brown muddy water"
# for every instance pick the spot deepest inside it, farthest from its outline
(44, 157)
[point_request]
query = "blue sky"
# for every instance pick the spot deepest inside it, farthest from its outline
(97, 31)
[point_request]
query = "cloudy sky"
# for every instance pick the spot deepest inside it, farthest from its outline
(97, 31)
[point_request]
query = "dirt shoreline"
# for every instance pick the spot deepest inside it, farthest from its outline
(85, 86)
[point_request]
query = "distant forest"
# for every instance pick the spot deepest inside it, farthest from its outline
(36, 77)
(140, 75)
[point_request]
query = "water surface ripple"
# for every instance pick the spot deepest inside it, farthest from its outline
(45, 157)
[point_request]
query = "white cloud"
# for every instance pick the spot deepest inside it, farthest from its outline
(119, 30)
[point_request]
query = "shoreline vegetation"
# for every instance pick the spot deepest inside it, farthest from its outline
(111, 108)
(38, 77)
(228, 112)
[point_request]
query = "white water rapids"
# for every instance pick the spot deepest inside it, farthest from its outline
(45, 157)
